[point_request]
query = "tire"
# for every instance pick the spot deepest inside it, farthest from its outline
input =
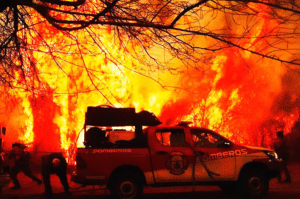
(128, 185)
(255, 183)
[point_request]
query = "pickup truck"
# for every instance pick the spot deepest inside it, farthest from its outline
(156, 155)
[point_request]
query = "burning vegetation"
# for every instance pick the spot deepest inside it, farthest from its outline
(228, 66)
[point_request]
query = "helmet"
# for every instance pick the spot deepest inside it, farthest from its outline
(280, 134)
(55, 162)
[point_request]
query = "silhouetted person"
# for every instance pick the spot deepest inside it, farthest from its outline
(281, 149)
(21, 160)
(54, 163)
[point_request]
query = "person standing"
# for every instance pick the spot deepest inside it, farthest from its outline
(21, 160)
(54, 163)
(281, 148)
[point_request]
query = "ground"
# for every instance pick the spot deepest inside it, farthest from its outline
(30, 189)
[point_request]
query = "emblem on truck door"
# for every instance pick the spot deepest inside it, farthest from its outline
(177, 163)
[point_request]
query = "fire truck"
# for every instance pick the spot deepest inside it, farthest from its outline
(156, 155)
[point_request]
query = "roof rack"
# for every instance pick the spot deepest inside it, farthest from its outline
(184, 123)
(106, 115)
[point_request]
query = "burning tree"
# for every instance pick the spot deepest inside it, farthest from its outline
(217, 59)
(188, 30)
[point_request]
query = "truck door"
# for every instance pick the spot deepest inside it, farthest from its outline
(216, 159)
(172, 158)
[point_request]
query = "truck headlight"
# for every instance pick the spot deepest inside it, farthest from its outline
(271, 154)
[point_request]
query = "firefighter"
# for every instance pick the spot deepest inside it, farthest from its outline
(281, 149)
(21, 160)
(54, 163)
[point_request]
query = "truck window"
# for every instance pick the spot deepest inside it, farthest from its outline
(204, 138)
(171, 137)
(95, 138)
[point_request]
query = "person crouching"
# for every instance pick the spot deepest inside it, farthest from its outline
(54, 163)
(21, 160)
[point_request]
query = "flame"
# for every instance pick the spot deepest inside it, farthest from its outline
(28, 136)
(234, 93)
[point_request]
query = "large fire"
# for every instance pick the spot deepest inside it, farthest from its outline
(235, 93)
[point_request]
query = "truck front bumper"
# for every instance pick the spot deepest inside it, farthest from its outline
(274, 167)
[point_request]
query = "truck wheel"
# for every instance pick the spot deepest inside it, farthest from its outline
(127, 186)
(255, 182)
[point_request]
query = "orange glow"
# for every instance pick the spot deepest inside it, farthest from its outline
(28, 135)
(234, 93)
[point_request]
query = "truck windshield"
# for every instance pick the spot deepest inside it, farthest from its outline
(205, 138)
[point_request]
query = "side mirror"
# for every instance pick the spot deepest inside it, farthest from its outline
(3, 130)
(225, 144)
